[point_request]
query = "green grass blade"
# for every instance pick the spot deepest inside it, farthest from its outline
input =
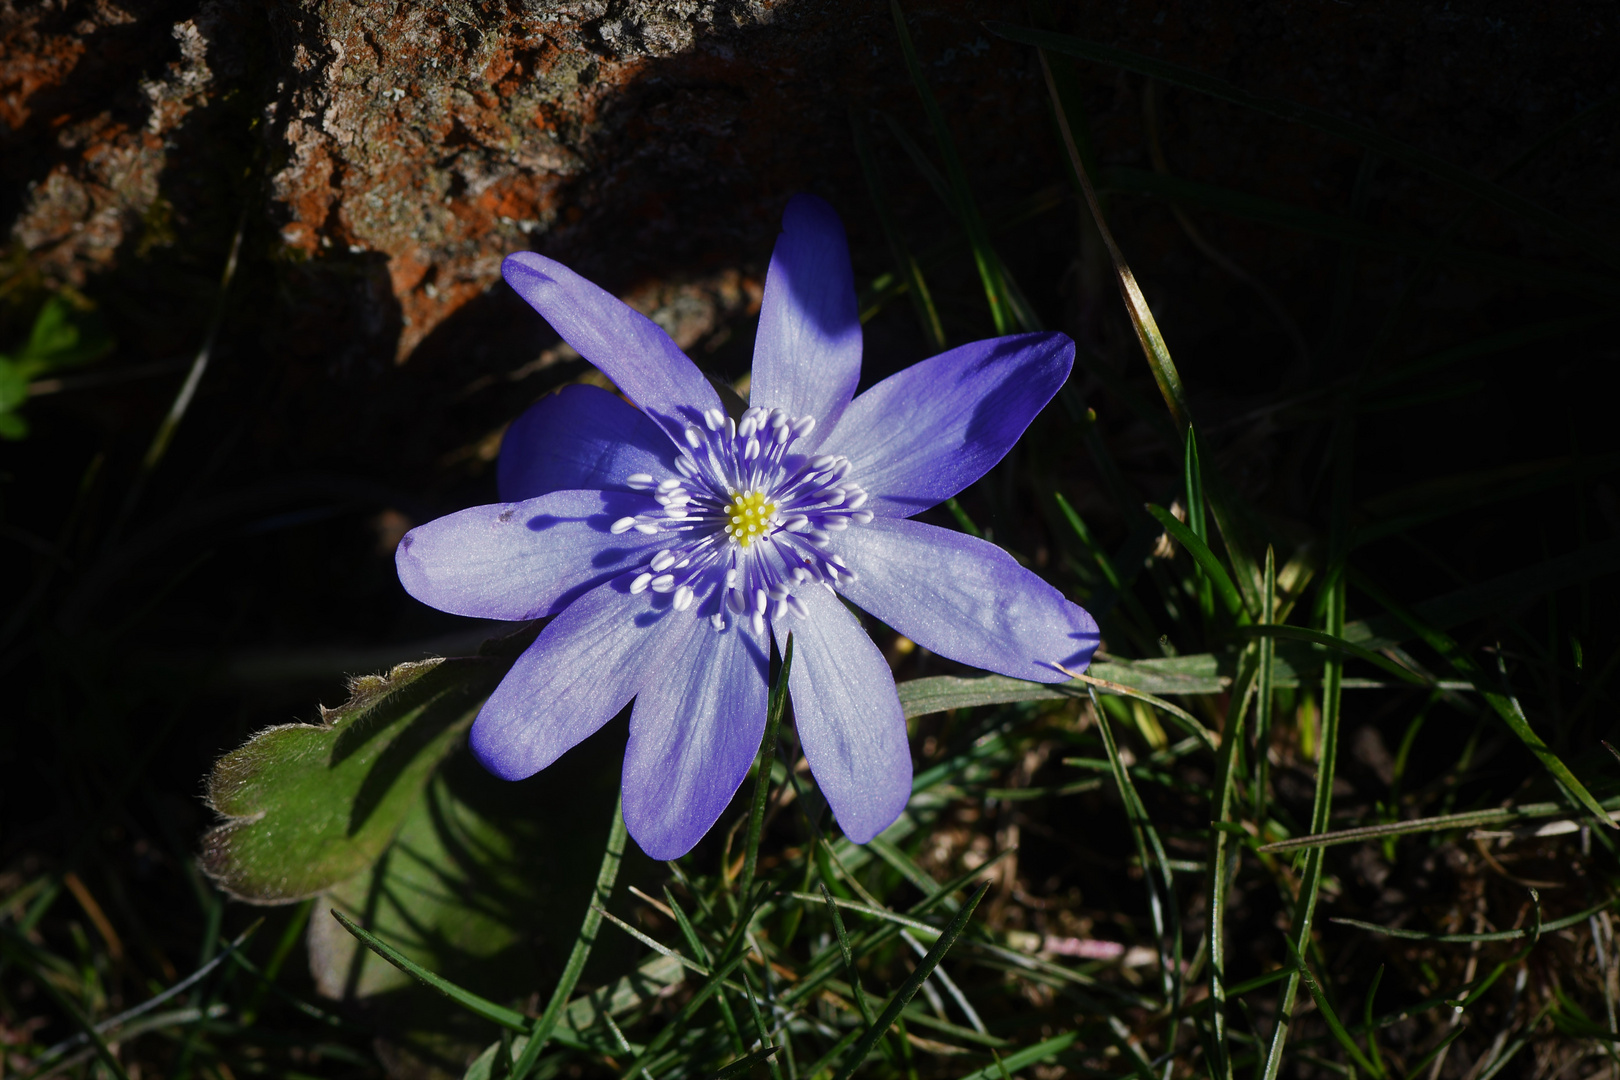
(1470, 939)
(741, 1066)
(967, 210)
(1224, 854)
(1472, 819)
(1335, 1026)
(17, 948)
(1218, 577)
(1136, 305)
(905, 262)
(473, 1003)
(1181, 717)
(1265, 690)
(1150, 852)
(1024, 1058)
(1505, 705)
(1384, 145)
(1318, 637)
(861, 1003)
(606, 875)
(762, 775)
(1321, 808)
(912, 984)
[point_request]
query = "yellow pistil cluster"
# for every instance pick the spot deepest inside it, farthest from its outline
(748, 516)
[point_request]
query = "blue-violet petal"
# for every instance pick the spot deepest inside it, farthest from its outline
(585, 666)
(965, 599)
(848, 715)
(920, 436)
(520, 561)
(624, 344)
(580, 437)
(694, 731)
(807, 353)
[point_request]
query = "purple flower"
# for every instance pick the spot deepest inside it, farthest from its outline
(667, 539)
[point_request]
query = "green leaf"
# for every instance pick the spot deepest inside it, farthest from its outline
(311, 805)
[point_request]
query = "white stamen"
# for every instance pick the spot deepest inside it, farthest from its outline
(735, 601)
(779, 610)
(733, 574)
(718, 621)
(714, 418)
(646, 528)
(623, 525)
(760, 599)
(684, 466)
(639, 586)
(663, 583)
(640, 481)
(777, 591)
(804, 425)
(758, 622)
(667, 486)
(861, 517)
(857, 500)
(751, 450)
(683, 598)
(694, 437)
(663, 560)
(748, 426)
(821, 461)
(798, 607)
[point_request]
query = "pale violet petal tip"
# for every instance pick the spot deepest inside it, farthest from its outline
(694, 732)
(965, 599)
(848, 716)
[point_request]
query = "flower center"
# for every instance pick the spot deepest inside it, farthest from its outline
(749, 516)
(749, 520)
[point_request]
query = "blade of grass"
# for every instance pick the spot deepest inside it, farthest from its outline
(473, 1003)
(741, 1066)
(762, 774)
(1265, 675)
(1321, 808)
(1136, 306)
(911, 985)
(1224, 854)
(967, 210)
(1332, 1018)
(1379, 143)
(20, 951)
(1505, 705)
(1199, 550)
(1468, 939)
(1023, 1058)
(1150, 852)
(607, 873)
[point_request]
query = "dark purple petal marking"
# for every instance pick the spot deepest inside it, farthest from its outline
(694, 732)
(848, 716)
(579, 437)
(966, 600)
(920, 436)
(520, 561)
(628, 347)
(583, 669)
(807, 355)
